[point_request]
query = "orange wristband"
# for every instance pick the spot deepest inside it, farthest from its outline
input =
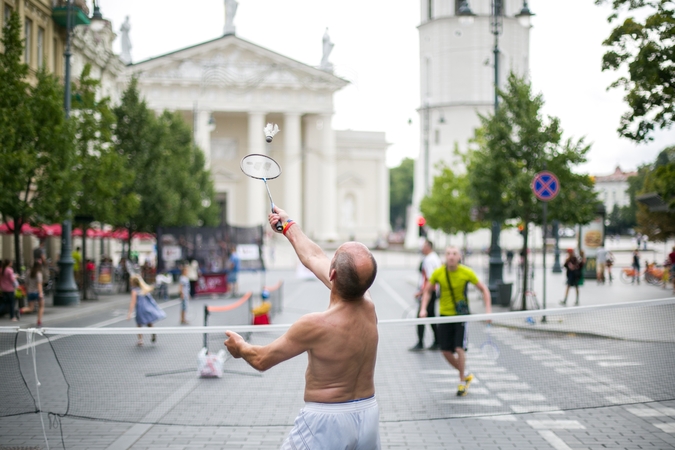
(287, 225)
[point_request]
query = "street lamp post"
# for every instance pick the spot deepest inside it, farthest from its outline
(496, 263)
(66, 288)
(496, 26)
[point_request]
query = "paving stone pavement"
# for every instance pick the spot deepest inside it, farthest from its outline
(646, 423)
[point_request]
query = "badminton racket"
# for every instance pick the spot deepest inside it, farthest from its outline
(489, 348)
(262, 167)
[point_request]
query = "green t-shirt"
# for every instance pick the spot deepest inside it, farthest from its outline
(459, 279)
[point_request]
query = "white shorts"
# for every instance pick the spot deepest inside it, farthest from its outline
(328, 426)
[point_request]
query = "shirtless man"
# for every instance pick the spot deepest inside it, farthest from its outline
(341, 343)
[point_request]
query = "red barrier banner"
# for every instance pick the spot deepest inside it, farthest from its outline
(211, 284)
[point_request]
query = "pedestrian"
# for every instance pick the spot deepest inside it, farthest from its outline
(671, 260)
(233, 266)
(609, 262)
(453, 279)
(341, 343)
(184, 293)
(147, 310)
(509, 259)
(8, 284)
(600, 264)
(77, 258)
(582, 264)
(39, 254)
(193, 275)
(35, 292)
(571, 265)
(636, 265)
(429, 264)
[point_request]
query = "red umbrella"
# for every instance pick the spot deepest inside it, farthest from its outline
(50, 230)
(123, 234)
(91, 233)
(26, 229)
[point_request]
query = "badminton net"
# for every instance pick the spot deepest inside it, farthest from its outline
(584, 357)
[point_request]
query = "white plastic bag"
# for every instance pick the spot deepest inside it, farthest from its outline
(210, 365)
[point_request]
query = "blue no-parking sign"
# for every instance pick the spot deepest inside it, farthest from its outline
(545, 186)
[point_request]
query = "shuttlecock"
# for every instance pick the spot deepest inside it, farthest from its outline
(270, 131)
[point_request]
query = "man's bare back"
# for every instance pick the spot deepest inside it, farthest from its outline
(341, 342)
(341, 362)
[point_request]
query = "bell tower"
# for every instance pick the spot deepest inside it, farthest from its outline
(459, 42)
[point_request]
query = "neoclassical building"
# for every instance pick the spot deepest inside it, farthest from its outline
(335, 183)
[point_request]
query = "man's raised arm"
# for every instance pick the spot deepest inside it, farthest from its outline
(310, 254)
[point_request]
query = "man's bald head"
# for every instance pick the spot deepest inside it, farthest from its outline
(355, 270)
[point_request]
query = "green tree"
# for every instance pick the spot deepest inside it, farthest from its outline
(400, 192)
(514, 144)
(658, 178)
(167, 170)
(101, 169)
(646, 51)
(449, 207)
(36, 142)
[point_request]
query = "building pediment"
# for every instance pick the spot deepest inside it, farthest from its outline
(350, 179)
(233, 63)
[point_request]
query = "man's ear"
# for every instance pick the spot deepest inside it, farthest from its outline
(332, 274)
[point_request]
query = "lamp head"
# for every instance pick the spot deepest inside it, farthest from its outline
(465, 14)
(524, 15)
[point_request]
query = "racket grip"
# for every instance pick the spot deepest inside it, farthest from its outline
(279, 226)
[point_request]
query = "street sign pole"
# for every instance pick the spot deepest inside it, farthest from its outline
(543, 319)
(546, 187)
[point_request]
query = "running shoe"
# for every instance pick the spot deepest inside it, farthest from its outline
(434, 346)
(468, 379)
(417, 348)
(461, 390)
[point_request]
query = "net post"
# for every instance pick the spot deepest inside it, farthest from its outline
(206, 322)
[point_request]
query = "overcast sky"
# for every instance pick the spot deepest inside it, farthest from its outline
(377, 49)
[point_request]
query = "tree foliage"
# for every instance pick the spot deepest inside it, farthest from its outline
(646, 50)
(166, 169)
(658, 178)
(448, 207)
(100, 168)
(36, 142)
(400, 192)
(513, 145)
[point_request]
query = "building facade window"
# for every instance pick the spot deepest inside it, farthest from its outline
(28, 36)
(437, 136)
(430, 9)
(55, 55)
(40, 47)
(7, 13)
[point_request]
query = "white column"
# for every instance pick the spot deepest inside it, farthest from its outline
(203, 135)
(383, 196)
(329, 203)
(292, 170)
(258, 203)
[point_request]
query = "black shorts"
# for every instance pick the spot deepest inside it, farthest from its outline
(452, 336)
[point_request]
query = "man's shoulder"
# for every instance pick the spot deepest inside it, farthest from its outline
(466, 270)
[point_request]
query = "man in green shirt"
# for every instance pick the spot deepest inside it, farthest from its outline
(454, 278)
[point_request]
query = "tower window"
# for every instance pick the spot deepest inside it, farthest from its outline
(430, 9)
(437, 136)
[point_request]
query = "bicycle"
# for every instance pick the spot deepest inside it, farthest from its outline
(652, 275)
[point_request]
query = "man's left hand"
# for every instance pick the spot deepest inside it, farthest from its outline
(233, 343)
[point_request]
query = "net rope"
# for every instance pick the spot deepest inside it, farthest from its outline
(585, 357)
